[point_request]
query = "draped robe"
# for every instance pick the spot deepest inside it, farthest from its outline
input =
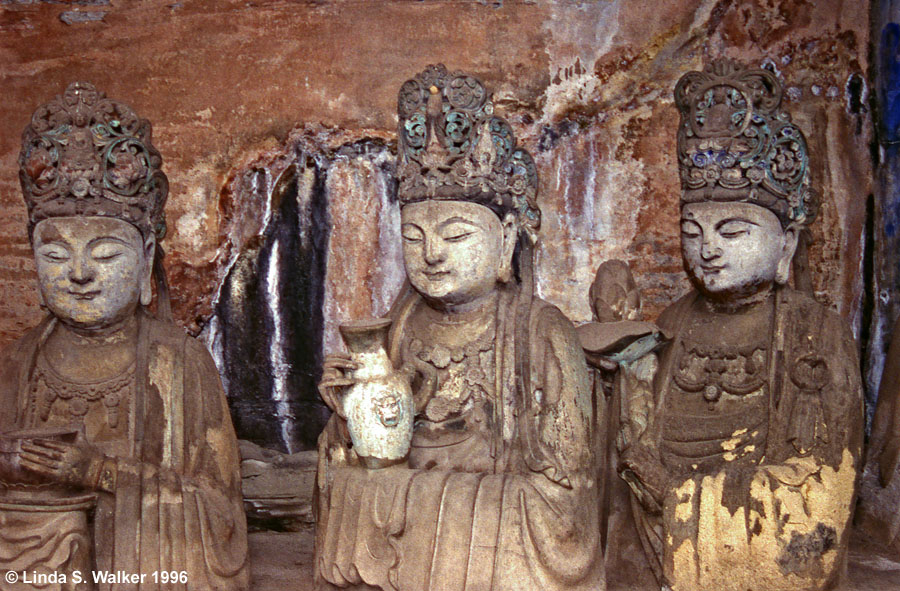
(510, 507)
(173, 498)
(770, 510)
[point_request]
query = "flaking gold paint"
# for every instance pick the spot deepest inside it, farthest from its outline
(796, 497)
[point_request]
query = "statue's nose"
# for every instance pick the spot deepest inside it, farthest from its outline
(434, 252)
(710, 250)
(80, 272)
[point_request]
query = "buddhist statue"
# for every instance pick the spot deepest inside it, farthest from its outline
(494, 485)
(744, 451)
(119, 466)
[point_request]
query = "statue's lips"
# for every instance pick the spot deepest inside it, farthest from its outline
(84, 295)
(435, 275)
(715, 269)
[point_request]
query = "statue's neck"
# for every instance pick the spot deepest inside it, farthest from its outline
(463, 313)
(117, 333)
(92, 355)
(740, 304)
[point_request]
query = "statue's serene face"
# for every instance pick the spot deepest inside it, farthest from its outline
(455, 252)
(735, 250)
(93, 271)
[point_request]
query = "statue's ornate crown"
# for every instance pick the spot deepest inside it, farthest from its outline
(453, 147)
(84, 154)
(733, 136)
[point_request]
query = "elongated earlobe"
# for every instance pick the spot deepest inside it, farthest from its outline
(783, 272)
(504, 273)
(147, 272)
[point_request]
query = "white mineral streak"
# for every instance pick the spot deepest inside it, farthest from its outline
(593, 28)
(211, 334)
(595, 220)
(280, 366)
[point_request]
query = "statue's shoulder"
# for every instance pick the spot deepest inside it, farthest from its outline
(544, 311)
(15, 359)
(165, 332)
(670, 318)
(810, 317)
(549, 321)
(22, 349)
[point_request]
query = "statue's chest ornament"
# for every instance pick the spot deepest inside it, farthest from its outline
(810, 373)
(713, 370)
(463, 373)
(79, 397)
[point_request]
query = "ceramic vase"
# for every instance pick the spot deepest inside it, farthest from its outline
(379, 406)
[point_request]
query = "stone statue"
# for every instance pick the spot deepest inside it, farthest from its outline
(744, 476)
(617, 344)
(497, 490)
(117, 452)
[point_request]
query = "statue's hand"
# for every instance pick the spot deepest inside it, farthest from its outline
(335, 381)
(77, 463)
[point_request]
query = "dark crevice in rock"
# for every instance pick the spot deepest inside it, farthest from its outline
(868, 295)
(855, 87)
(269, 318)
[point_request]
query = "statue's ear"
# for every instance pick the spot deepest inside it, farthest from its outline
(510, 233)
(146, 278)
(788, 248)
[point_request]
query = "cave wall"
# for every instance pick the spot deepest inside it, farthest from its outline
(276, 120)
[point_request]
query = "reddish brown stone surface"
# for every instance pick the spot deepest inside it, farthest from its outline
(588, 87)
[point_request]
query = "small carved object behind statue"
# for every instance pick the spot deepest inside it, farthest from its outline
(744, 477)
(618, 346)
(102, 402)
(498, 488)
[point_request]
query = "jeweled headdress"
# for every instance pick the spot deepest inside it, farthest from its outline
(735, 141)
(453, 147)
(86, 155)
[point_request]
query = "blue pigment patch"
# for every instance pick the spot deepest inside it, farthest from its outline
(889, 57)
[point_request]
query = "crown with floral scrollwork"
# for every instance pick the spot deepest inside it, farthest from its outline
(86, 155)
(453, 147)
(735, 144)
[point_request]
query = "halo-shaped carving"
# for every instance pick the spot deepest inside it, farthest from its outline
(465, 93)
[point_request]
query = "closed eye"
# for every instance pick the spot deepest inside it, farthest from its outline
(107, 251)
(690, 229)
(108, 257)
(458, 237)
(56, 257)
(733, 229)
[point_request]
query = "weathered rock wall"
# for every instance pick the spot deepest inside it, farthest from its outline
(276, 122)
